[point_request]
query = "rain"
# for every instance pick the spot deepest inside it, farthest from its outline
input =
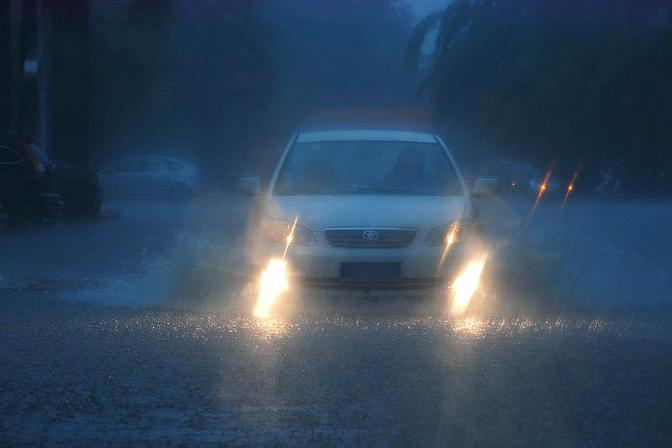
(335, 223)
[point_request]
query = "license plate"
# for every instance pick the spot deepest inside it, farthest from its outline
(370, 271)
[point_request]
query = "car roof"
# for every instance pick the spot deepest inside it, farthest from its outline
(365, 135)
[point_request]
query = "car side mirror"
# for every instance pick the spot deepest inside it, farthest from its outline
(249, 185)
(485, 186)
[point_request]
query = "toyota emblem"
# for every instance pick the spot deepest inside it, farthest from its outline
(370, 235)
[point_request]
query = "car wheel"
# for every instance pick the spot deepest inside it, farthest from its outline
(180, 193)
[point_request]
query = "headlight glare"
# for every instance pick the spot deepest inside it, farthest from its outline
(281, 232)
(444, 235)
(451, 233)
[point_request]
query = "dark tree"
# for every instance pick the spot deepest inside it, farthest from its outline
(181, 77)
(584, 82)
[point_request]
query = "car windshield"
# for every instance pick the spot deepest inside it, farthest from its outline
(368, 167)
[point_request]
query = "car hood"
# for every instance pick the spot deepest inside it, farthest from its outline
(319, 212)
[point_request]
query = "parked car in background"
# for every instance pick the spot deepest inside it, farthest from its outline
(519, 177)
(150, 176)
(34, 187)
(78, 188)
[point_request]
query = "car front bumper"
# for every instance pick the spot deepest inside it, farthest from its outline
(418, 265)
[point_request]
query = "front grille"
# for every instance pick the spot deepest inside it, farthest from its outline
(370, 237)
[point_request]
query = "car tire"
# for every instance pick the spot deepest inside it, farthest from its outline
(180, 193)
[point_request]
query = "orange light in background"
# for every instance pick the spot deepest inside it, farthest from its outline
(542, 189)
(570, 188)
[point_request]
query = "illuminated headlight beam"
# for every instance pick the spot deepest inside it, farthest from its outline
(449, 240)
(290, 236)
(466, 284)
(272, 283)
(274, 279)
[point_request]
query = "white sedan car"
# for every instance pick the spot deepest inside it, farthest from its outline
(363, 207)
(154, 176)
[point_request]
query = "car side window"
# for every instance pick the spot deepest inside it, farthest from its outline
(7, 156)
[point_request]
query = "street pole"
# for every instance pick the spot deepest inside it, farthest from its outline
(15, 65)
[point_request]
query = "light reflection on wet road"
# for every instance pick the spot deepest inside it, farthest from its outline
(327, 379)
(327, 369)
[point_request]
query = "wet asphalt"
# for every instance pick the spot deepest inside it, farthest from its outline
(137, 331)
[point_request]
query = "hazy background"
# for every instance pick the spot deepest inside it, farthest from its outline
(570, 83)
(227, 81)
(577, 84)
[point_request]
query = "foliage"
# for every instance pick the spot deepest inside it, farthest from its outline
(343, 54)
(583, 82)
(180, 77)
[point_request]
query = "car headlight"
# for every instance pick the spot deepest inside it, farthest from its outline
(451, 233)
(281, 231)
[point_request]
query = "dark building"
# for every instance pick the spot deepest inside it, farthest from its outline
(44, 75)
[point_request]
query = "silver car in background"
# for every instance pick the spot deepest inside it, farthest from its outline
(150, 176)
(364, 207)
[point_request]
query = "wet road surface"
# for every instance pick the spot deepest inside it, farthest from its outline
(179, 361)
